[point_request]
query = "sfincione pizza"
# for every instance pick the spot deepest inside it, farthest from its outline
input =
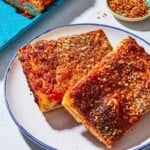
(115, 95)
(52, 66)
(30, 7)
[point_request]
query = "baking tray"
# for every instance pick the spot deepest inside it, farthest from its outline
(13, 24)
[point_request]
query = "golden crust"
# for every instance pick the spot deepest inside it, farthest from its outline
(53, 66)
(114, 95)
(68, 103)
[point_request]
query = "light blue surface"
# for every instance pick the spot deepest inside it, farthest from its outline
(13, 24)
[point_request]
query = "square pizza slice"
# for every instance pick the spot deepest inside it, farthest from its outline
(51, 67)
(115, 95)
(30, 7)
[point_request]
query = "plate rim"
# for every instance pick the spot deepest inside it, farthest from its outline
(20, 127)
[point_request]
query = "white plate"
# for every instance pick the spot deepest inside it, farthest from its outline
(57, 129)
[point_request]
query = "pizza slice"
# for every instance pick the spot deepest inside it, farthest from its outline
(51, 67)
(30, 7)
(115, 95)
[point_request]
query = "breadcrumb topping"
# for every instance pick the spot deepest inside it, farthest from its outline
(51, 67)
(116, 94)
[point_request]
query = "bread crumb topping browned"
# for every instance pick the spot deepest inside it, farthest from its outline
(53, 66)
(129, 8)
(116, 94)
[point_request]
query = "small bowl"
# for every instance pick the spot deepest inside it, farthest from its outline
(121, 17)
